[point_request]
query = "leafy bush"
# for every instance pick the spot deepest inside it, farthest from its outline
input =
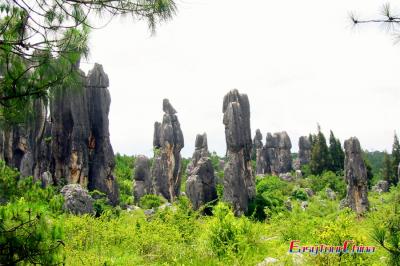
(151, 201)
(306, 170)
(102, 205)
(386, 231)
(229, 235)
(335, 232)
(300, 194)
(124, 173)
(331, 180)
(269, 198)
(8, 182)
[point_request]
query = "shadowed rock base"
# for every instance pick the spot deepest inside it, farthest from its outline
(200, 186)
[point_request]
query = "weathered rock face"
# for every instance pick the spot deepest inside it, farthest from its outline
(239, 184)
(330, 194)
(77, 200)
(200, 151)
(277, 148)
(200, 186)
(304, 151)
(261, 158)
(381, 186)
(143, 182)
(70, 135)
(355, 176)
(15, 145)
(73, 146)
(20, 144)
(101, 154)
(167, 166)
(43, 157)
(80, 138)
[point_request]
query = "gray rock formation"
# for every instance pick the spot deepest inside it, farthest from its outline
(304, 205)
(77, 200)
(261, 159)
(80, 142)
(26, 164)
(288, 205)
(70, 135)
(309, 192)
(286, 177)
(298, 174)
(73, 146)
(200, 185)
(277, 148)
(43, 157)
(21, 145)
(330, 194)
(239, 184)
(15, 145)
(200, 151)
(304, 151)
(101, 154)
(355, 176)
(167, 166)
(381, 186)
(143, 182)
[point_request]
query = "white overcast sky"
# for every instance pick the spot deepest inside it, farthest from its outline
(300, 62)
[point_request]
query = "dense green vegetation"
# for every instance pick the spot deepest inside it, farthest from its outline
(33, 224)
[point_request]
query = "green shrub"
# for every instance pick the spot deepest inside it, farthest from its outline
(220, 191)
(386, 230)
(151, 201)
(300, 194)
(228, 235)
(269, 198)
(8, 183)
(331, 180)
(124, 173)
(306, 170)
(101, 202)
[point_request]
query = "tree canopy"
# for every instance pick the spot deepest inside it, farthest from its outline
(42, 42)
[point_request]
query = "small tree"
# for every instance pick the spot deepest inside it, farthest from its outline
(387, 170)
(336, 153)
(320, 158)
(395, 158)
(28, 237)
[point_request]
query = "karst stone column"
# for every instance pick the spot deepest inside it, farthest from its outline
(167, 166)
(80, 139)
(304, 151)
(277, 148)
(200, 186)
(143, 182)
(261, 158)
(101, 154)
(355, 176)
(239, 184)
